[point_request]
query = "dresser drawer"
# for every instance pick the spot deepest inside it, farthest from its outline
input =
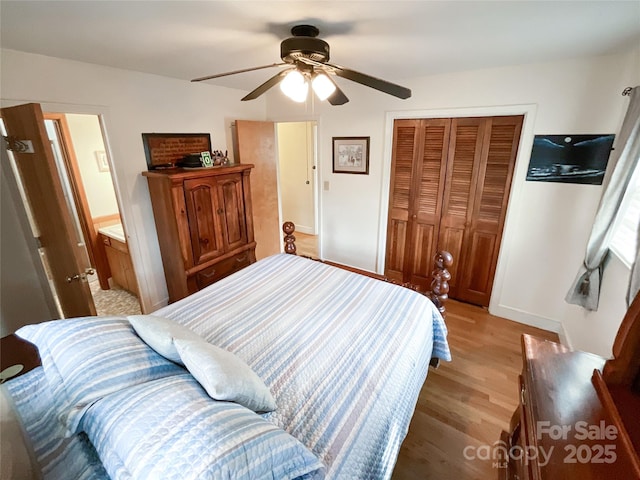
(222, 269)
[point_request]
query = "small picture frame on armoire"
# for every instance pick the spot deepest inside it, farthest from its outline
(205, 159)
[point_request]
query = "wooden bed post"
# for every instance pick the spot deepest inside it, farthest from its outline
(440, 283)
(289, 238)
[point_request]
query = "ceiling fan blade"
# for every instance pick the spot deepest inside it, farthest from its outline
(218, 75)
(369, 81)
(337, 97)
(266, 86)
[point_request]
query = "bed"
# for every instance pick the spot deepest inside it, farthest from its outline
(343, 355)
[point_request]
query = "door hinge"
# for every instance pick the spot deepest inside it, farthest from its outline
(18, 146)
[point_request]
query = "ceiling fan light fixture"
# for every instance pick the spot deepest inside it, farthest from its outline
(322, 86)
(295, 86)
(307, 59)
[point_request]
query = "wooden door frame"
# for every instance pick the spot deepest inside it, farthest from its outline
(519, 175)
(315, 171)
(126, 215)
(97, 255)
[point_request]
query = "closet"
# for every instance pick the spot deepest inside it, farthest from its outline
(450, 182)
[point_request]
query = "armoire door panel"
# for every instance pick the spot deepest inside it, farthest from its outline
(202, 206)
(232, 210)
(182, 222)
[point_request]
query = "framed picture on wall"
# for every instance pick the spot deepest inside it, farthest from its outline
(351, 155)
(570, 158)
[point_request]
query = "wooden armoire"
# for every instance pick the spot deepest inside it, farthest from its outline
(205, 224)
(450, 182)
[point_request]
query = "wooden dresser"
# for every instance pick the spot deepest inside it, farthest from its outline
(579, 414)
(204, 223)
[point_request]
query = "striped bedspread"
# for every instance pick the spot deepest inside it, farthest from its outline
(345, 357)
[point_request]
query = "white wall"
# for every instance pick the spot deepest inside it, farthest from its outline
(131, 103)
(86, 136)
(547, 224)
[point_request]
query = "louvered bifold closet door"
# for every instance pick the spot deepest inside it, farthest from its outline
(488, 208)
(417, 183)
(426, 200)
(465, 153)
(405, 144)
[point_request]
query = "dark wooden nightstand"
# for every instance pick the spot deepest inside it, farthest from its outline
(16, 352)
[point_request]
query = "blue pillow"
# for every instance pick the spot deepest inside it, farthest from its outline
(170, 428)
(96, 356)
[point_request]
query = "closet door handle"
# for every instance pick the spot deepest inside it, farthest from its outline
(414, 216)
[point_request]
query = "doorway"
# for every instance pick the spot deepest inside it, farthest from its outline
(297, 180)
(83, 168)
(284, 182)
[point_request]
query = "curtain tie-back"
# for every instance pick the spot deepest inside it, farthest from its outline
(583, 289)
(584, 286)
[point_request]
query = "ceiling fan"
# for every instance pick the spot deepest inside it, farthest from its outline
(306, 59)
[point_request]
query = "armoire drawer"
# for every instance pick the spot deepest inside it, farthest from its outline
(222, 269)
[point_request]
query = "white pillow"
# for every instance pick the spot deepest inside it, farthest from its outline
(224, 375)
(159, 333)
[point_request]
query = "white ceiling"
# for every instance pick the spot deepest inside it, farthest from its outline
(394, 40)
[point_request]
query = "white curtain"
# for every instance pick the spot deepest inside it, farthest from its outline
(585, 290)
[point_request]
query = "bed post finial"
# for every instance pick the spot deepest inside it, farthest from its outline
(440, 283)
(289, 238)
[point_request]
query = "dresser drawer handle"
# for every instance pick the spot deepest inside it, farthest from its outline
(208, 275)
(241, 259)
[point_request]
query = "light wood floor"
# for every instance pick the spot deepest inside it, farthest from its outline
(467, 401)
(306, 245)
